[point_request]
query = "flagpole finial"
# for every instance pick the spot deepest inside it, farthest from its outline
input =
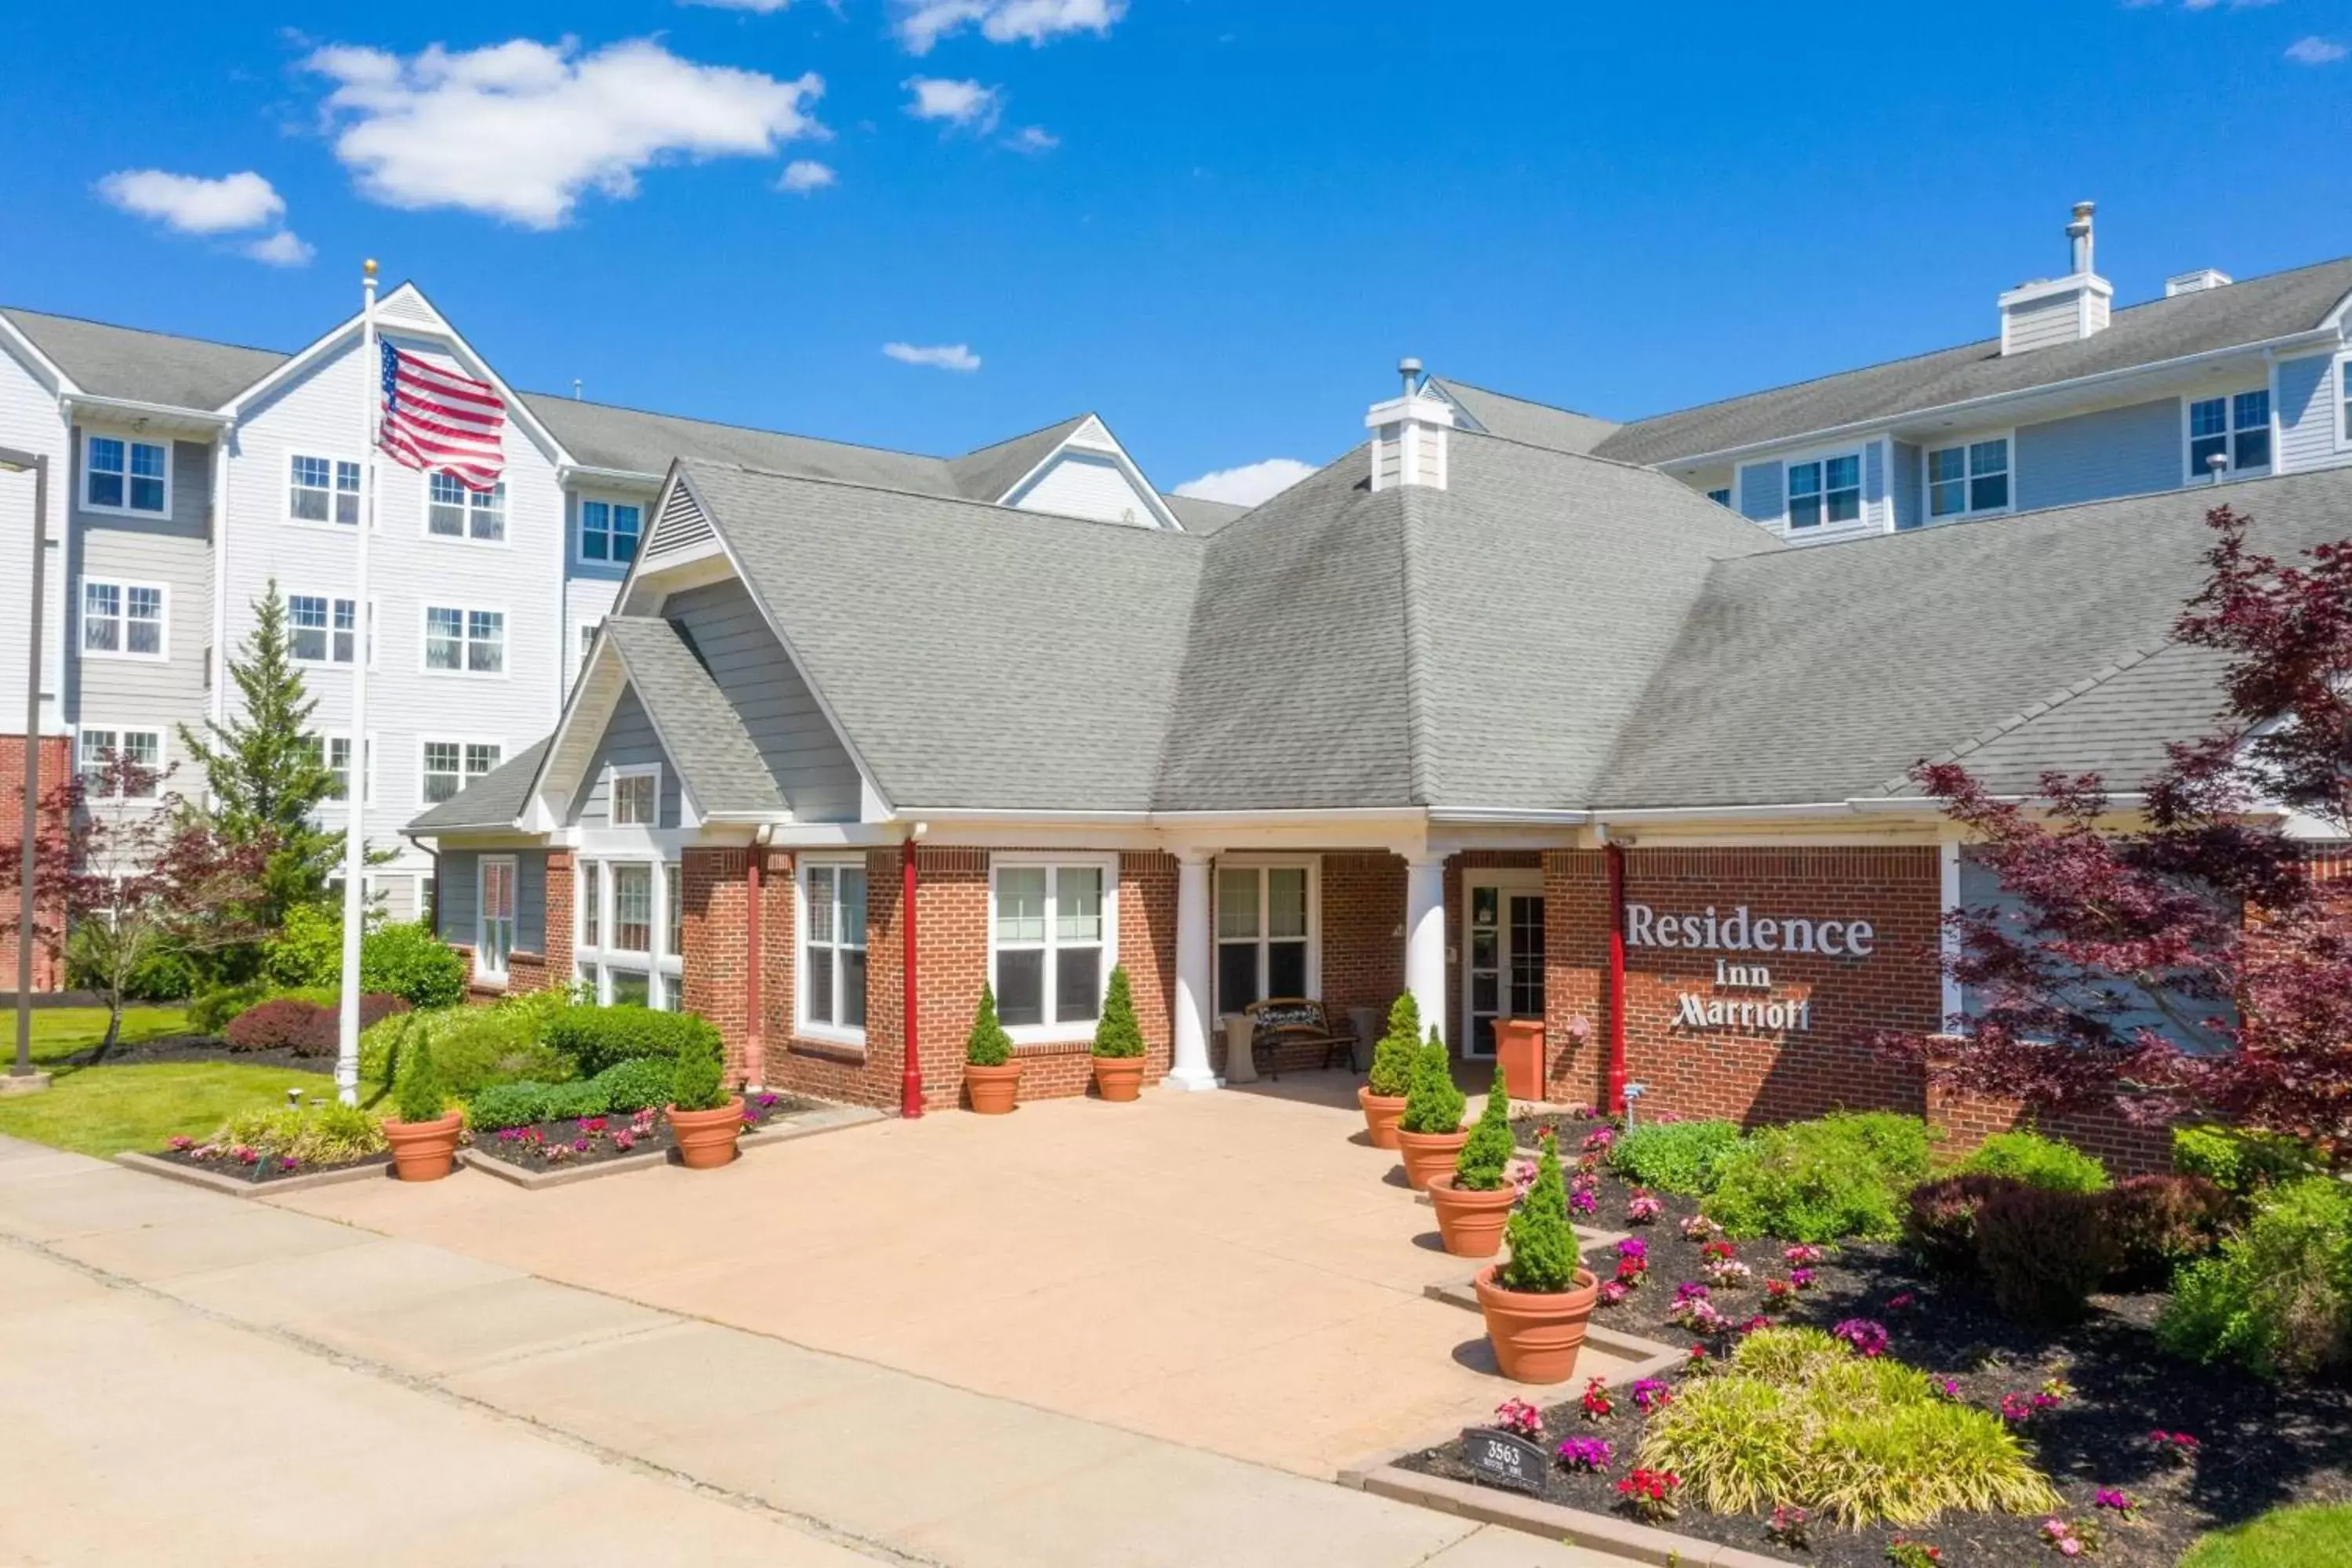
(367, 267)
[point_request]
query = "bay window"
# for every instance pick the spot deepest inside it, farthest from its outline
(633, 908)
(1049, 934)
(1264, 937)
(833, 948)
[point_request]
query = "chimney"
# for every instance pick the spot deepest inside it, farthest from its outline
(2196, 282)
(2052, 311)
(1409, 435)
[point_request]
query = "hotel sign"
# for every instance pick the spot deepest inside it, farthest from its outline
(1742, 933)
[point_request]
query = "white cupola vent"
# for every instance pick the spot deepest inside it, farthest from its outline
(2052, 311)
(2196, 282)
(1409, 435)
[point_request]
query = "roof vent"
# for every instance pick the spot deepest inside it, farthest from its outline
(1409, 434)
(2052, 311)
(2196, 282)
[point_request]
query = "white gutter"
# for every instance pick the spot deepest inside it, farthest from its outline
(79, 401)
(567, 472)
(1158, 818)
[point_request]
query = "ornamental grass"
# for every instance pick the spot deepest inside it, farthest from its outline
(1794, 1419)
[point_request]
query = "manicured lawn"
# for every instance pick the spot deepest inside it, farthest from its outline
(60, 1032)
(2289, 1538)
(105, 1110)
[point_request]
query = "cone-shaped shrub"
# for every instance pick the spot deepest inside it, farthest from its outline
(1542, 1243)
(988, 1046)
(1117, 1034)
(1479, 1167)
(1431, 1103)
(1393, 1057)
(422, 1095)
(697, 1079)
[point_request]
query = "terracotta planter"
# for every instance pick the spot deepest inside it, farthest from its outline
(706, 1138)
(1519, 1056)
(1536, 1335)
(424, 1151)
(991, 1089)
(1118, 1078)
(1381, 1114)
(1429, 1156)
(1471, 1222)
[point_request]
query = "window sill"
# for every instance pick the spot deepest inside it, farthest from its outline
(826, 1050)
(1057, 1048)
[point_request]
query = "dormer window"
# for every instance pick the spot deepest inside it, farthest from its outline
(1825, 490)
(2237, 427)
(1969, 478)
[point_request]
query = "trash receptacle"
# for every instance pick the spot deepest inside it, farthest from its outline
(1366, 1022)
(1240, 1066)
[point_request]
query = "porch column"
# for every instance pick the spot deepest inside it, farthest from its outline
(1188, 1066)
(1425, 942)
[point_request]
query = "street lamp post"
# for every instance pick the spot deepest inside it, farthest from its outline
(21, 1078)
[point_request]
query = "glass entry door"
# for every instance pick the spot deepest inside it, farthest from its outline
(1503, 961)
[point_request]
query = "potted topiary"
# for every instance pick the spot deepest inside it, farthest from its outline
(1382, 1096)
(1475, 1199)
(423, 1134)
(1429, 1135)
(1118, 1042)
(991, 1076)
(705, 1120)
(1536, 1303)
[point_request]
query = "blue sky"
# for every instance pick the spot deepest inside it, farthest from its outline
(1217, 223)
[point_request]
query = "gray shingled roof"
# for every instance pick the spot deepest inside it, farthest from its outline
(146, 367)
(2252, 311)
(989, 473)
(604, 436)
(495, 800)
(698, 727)
(1201, 515)
(1534, 424)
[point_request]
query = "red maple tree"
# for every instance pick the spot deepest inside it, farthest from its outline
(2183, 959)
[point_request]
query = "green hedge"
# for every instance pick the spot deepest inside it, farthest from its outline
(593, 1038)
(1843, 1175)
(2278, 1297)
(1676, 1156)
(402, 958)
(473, 1048)
(2038, 1162)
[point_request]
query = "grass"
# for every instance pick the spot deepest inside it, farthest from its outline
(2284, 1538)
(60, 1032)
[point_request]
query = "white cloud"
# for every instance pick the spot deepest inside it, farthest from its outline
(284, 248)
(194, 205)
(923, 23)
(521, 130)
(1250, 484)
(961, 103)
(2315, 51)
(939, 356)
(803, 176)
(1034, 139)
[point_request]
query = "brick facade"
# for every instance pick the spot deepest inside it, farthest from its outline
(552, 966)
(55, 760)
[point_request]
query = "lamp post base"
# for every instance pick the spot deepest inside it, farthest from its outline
(23, 1083)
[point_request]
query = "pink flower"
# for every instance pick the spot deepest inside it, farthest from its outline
(1896, 1303)
(1518, 1416)
(1801, 1278)
(1613, 1291)
(1868, 1339)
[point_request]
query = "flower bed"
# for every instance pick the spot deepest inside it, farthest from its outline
(597, 1139)
(2087, 1399)
(279, 1143)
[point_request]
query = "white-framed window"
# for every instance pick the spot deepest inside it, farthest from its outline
(633, 907)
(1050, 942)
(321, 490)
(97, 745)
(627, 904)
(609, 531)
(334, 753)
(1825, 491)
(323, 629)
(119, 474)
(832, 949)
(1265, 931)
(635, 795)
(494, 938)
(674, 882)
(448, 766)
(2236, 426)
(591, 903)
(2344, 400)
(452, 512)
(1720, 497)
(1969, 478)
(123, 620)
(463, 641)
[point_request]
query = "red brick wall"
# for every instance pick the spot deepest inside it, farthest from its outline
(1363, 915)
(713, 937)
(48, 960)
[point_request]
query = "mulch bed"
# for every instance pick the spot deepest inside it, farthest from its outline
(594, 1140)
(2260, 1446)
(251, 1165)
(191, 1049)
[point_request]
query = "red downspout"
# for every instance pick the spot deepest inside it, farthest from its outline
(910, 1085)
(753, 960)
(1616, 853)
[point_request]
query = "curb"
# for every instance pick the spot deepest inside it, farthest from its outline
(785, 1130)
(170, 1170)
(1602, 1531)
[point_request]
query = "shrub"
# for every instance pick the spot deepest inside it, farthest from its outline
(2239, 1162)
(209, 1013)
(1117, 1034)
(1479, 1167)
(407, 959)
(2158, 1223)
(697, 1079)
(988, 1046)
(1396, 1051)
(571, 1101)
(2038, 1162)
(1840, 1176)
(306, 950)
(593, 1038)
(305, 1024)
(329, 1134)
(2278, 1297)
(163, 974)
(420, 1096)
(1939, 1218)
(504, 1105)
(2044, 1251)
(1792, 1420)
(636, 1085)
(1675, 1156)
(1543, 1253)
(1431, 1104)
(474, 1048)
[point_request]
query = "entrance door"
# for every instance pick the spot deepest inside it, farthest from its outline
(1503, 962)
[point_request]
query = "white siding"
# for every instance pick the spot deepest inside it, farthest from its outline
(2044, 322)
(29, 423)
(172, 553)
(2309, 414)
(1089, 485)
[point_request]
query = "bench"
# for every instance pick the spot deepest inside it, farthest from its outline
(1279, 1021)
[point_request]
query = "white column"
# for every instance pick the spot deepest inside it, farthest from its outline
(1190, 1067)
(1424, 944)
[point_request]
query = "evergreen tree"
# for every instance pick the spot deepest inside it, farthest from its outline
(1433, 1104)
(267, 773)
(1393, 1056)
(1480, 1166)
(1117, 1034)
(1542, 1241)
(988, 1046)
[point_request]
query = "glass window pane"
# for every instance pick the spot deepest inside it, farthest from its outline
(1947, 464)
(1020, 987)
(1078, 904)
(1285, 966)
(629, 985)
(852, 988)
(1989, 493)
(1237, 901)
(2250, 409)
(1238, 977)
(821, 985)
(2202, 452)
(2254, 449)
(625, 525)
(1804, 480)
(2210, 417)
(852, 905)
(1077, 984)
(1285, 901)
(820, 903)
(1989, 457)
(1020, 904)
(1804, 511)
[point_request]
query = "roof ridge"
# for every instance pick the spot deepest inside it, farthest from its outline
(1531, 402)
(560, 397)
(2131, 659)
(1010, 440)
(945, 499)
(145, 331)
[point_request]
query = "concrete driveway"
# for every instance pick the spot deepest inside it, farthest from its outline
(1235, 1271)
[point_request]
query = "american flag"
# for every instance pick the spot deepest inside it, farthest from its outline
(437, 419)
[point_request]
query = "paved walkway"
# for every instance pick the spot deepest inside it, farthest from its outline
(193, 1377)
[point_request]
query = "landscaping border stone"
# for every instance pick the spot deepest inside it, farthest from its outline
(373, 1168)
(782, 1130)
(1600, 1531)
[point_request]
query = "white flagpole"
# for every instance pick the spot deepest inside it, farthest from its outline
(355, 791)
